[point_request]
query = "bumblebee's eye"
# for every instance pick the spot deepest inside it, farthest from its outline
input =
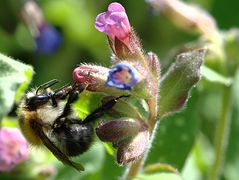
(34, 102)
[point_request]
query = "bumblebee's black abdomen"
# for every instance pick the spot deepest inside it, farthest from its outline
(74, 138)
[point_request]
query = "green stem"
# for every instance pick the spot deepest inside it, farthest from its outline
(222, 135)
(133, 170)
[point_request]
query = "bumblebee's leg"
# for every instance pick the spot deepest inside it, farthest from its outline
(60, 93)
(100, 111)
(66, 90)
(47, 85)
(72, 97)
(63, 91)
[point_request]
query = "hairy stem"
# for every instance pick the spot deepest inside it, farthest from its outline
(222, 135)
(152, 122)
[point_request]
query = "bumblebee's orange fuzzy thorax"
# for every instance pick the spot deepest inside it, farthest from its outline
(26, 118)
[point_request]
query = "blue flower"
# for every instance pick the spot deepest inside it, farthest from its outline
(122, 76)
(48, 40)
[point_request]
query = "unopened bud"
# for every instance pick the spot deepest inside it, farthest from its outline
(154, 64)
(117, 130)
(135, 148)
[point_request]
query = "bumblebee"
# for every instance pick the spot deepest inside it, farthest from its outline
(47, 118)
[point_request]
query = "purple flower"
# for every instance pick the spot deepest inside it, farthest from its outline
(13, 148)
(114, 23)
(48, 40)
(122, 76)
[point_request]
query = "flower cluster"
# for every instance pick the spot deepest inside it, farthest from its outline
(133, 73)
(47, 38)
(13, 148)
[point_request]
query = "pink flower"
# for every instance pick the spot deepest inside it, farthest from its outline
(114, 23)
(122, 39)
(13, 148)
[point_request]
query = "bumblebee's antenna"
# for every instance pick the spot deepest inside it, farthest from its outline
(47, 84)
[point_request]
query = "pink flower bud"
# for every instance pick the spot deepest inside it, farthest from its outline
(95, 78)
(13, 148)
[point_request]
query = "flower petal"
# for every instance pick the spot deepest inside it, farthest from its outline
(114, 22)
(122, 76)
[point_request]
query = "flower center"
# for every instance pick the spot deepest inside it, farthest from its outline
(123, 76)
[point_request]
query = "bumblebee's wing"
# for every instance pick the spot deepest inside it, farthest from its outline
(54, 149)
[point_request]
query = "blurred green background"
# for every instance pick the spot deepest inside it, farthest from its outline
(83, 43)
(184, 140)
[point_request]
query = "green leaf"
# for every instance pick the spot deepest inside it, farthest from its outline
(14, 79)
(178, 80)
(88, 101)
(159, 176)
(213, 76)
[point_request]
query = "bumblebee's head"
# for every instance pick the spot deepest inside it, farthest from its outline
(33, 101)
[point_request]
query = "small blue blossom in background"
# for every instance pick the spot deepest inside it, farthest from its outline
(48, 40)
(46, 37)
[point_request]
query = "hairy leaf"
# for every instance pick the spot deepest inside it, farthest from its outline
(14, 79)
(178, 80)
